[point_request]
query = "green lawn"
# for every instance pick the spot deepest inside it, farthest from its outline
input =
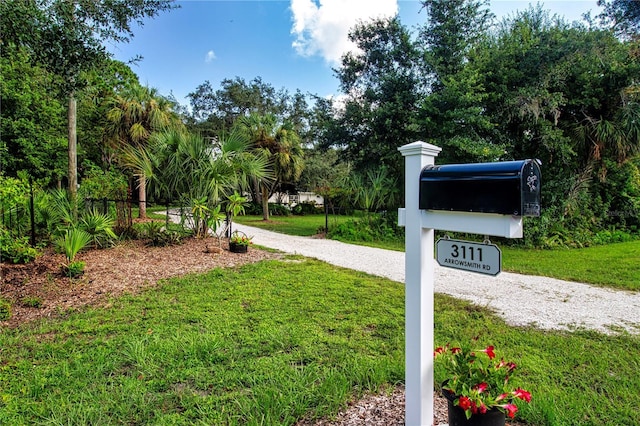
(273, 342)
(305, 226)
(613, 265)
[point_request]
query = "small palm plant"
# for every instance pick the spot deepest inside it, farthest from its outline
(235, 206)
(100, 227)
(71, 243)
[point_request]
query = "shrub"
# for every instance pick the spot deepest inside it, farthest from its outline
(15, 249)
(255, 209)
(305, 208)
(98, 183)
(74, 269)
(99, 227)
(278, 210)
(13, 203)
(158, 236)
(373, 227)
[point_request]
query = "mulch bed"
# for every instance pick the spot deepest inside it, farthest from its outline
(125, 268)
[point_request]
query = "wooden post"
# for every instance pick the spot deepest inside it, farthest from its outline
(419, 290)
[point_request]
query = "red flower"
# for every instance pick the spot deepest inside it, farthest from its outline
(478, 383)
(501, 397)
(522, 394)
(511, 409)
(464, 402)
(481, 387)
(489, 352)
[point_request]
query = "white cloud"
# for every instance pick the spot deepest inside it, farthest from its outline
(210, 56)
(321, 27)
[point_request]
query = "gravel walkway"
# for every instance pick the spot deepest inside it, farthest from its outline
(546, 303)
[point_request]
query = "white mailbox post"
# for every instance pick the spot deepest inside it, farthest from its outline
(419, 270)
(420, 226)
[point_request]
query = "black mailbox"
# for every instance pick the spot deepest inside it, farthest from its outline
(506, 187)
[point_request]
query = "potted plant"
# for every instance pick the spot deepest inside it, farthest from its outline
(235, 206)
(239, 242)
(477, 389)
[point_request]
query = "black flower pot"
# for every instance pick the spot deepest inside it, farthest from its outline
(238, 248)
(457, 417)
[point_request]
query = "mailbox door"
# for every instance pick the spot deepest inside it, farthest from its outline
(531, 181)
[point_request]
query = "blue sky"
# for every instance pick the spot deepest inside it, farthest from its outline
(291, 44)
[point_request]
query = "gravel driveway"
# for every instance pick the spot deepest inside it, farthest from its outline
(543, 302)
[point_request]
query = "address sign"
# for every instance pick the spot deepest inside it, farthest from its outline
(469, 256)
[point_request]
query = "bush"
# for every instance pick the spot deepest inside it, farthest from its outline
(278, 210)
(72, 242)
(612, 236)
(158, 236)
(15, 249)
(74, 269)
(99, 226)
(14, 195)
(373, 227)
(305, 208)
(98, 184)
(255, 209)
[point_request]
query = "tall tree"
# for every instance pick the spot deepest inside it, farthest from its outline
(215, 111)
(623, 15)
(94, 101)
(68, 37)
(383, 89)
(134, 114)
(32, 120)
(452, 114)
(278, 142)
(452, 28)
(568, 95)
(219, 109)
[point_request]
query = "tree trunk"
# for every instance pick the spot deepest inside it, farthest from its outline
(73, 149)
(265, 203)
(142, 195)
(73, 155)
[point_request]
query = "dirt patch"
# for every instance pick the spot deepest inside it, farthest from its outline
(40, 290)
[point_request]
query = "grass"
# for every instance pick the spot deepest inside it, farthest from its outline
(612, 265)
(274, 342)
(304, 226)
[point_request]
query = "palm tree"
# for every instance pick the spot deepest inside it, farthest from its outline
(133, 115)
(178, 164)
(280, 144)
